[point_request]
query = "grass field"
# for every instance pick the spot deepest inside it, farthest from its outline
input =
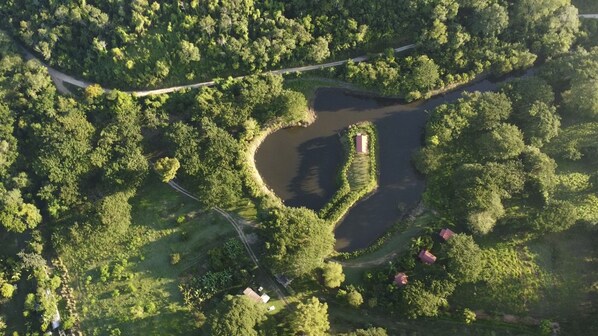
(358, 174)
(569, 260)
(586, 6)
(137, 291)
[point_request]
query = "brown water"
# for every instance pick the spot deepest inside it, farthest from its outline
(301, 164)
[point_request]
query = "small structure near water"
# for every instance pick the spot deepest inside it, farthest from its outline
(361, 143)
(401, 279)
(426, 257)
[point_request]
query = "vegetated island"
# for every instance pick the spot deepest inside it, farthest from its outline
(358, 176)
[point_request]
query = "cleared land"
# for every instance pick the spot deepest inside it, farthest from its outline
(127, 281)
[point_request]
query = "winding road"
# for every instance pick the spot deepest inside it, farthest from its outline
(60, 78)
(272, 284)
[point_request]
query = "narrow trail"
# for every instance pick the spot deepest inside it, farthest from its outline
(272, 284)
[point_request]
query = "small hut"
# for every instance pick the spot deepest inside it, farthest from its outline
(446, 234)
(401, 279)
(253, 296)
(426, 257)
(361, 143)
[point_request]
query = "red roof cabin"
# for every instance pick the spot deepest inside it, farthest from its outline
(401, 279)
(446, 234)
(362, 143)
(426, 257)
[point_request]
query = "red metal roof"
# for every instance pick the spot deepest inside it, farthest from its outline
(401, 279)
(446, 234)
(427, 257)
(362, 143)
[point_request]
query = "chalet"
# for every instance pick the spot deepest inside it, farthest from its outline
(361, 143)
(401, 279)
(426, 257)
(446, 234)
(253, 296)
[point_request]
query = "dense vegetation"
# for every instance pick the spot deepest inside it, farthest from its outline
(460, 39)
(508, 168)
(504, 167)
(493, 157)
(143, 43)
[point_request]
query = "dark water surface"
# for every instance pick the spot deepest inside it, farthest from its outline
(301, 164)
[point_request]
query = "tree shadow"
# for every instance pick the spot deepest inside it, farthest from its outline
(316, 180)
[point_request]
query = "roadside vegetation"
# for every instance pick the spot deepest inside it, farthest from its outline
(147, 44)
(88, 229)
(461, 40)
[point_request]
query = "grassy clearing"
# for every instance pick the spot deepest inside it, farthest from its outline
(569, 260)
(128, 282)
(397, 243)
(358, 174)
(308, 85)
(344, 319)
(586, 6)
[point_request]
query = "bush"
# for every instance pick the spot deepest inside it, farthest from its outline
(175, 258)
(354, 298)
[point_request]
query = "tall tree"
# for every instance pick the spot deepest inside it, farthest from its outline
(465, 261)
(236, 315)
(310, 319)
(333, 274)
(297, 240)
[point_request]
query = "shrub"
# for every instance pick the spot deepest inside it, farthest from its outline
(175, 258)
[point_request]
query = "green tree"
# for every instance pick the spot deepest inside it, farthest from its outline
(185, 142)
(15, 214)
(424, 73)
(556, 216)
(310, 319)
(7, 290)
(465, 260)
(297, 240)
(490, 21)
(167, 168)
(504, 142)
(426, 300)
(114, 211)
(541, 173)
(354, 298)
(333, 274)
(236, 315)
(188, 52)
(582, 99)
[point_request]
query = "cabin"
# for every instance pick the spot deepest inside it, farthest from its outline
(361, 143)
(426, 257)
(401, 279)
(253, 296)
(446, 234)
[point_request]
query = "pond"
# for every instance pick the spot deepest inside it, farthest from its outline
(301, 163)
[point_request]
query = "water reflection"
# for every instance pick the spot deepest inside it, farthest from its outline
(301, 164)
